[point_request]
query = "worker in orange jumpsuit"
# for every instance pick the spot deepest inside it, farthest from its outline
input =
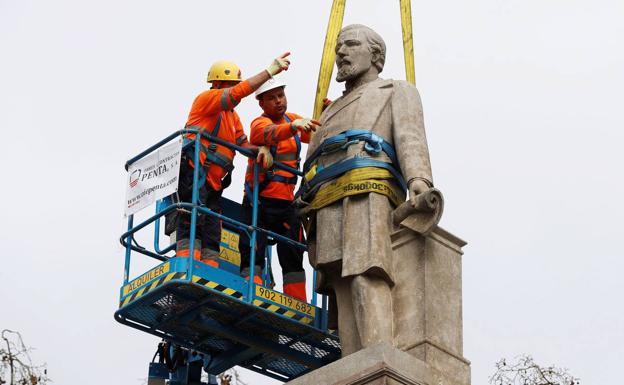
(283, 132)
(213, 112)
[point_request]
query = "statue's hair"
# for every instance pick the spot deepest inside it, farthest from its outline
(375, 43)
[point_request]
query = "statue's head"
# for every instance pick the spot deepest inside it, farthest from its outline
(358, 49)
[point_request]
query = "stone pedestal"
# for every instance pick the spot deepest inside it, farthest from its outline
(427, 300)
(378, 365)
(428, 329)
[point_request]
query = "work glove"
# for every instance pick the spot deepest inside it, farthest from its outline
(302, 208)
(305, 124)
(279, 64)
(264, 157)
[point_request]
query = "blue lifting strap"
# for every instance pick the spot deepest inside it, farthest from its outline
(310, 187)
(374, 144)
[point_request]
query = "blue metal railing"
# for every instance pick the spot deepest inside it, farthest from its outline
(251, 230)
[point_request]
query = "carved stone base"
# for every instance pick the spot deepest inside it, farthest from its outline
(378, 365)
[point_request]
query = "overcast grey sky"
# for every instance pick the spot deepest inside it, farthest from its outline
(522, 104)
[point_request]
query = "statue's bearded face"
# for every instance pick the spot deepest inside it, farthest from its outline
(353, 55)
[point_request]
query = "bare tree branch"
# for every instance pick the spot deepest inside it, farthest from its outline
(15, 359)
(526, 372)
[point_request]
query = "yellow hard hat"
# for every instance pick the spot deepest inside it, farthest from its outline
(224, 70)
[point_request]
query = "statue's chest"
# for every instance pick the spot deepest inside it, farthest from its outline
(340, 122)
(355, 115)
(366, 109)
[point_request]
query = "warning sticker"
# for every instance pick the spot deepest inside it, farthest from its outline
(231, 256)
(230, 239)
(229, 247)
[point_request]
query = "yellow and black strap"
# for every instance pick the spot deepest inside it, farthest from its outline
(358, 181)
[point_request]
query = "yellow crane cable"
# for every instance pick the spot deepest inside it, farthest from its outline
(329, 55)
(408, 40)
(329, 49)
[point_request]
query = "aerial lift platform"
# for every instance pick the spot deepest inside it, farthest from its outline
(212, 318)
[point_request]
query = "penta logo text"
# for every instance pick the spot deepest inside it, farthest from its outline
(154, 172)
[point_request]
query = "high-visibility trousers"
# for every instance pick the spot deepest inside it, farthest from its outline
(279, 216)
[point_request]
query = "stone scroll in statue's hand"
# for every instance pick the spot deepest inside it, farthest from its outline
(423, 215)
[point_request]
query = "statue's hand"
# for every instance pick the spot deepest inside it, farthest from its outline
(417, 186)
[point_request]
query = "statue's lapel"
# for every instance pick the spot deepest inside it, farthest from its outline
(372, 101)
(341, 103)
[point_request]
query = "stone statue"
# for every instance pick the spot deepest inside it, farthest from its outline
(349, 240)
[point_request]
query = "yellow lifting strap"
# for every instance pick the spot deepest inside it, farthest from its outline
(355, 182)
(329, 49)
(329, 55)
(408, 41)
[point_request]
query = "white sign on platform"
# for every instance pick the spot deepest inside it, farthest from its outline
(153, 177)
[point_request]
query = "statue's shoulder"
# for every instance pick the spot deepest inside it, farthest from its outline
(403, 89)
(402, 84)
(380, 83)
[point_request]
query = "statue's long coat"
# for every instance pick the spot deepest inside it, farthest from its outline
(356, 230)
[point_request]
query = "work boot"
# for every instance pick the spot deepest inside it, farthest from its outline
(257, 274)
(210, 257)
(183, 245)
(294, 285)
(296, 290)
